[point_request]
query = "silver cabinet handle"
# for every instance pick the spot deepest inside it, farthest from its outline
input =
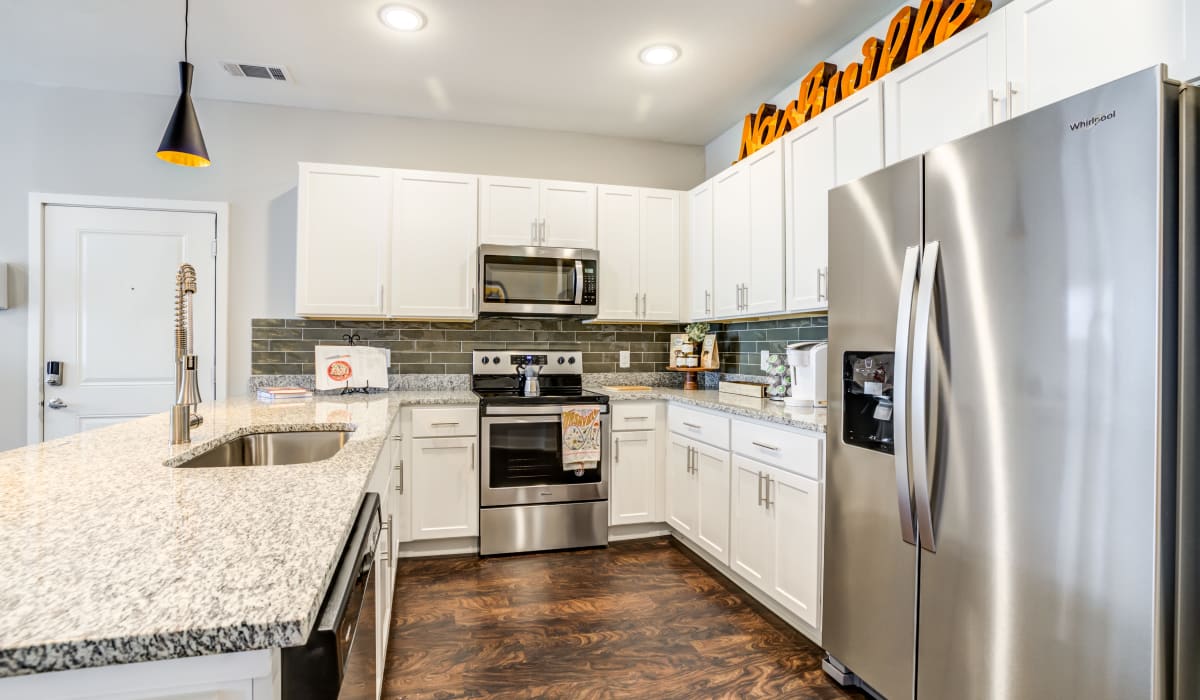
(765, 446)
(1010, 91)
(397, 438)
(533, 232)
(991, 107)
(908, 283)
(400, 470)
(617, 450)
(387, 551)
(637, 417)
(707, 312)
(635, 305)
(56, 404)
(380, 297)
(821, 284)
(689, 460)
(761, 498)
(745, 296)
(472, 460)
(920, 359)
(645, 307)
(770, 501)
(693, 426)
(542, 231)
(445, 422)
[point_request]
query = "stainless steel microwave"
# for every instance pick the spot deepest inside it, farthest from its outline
(537, 281)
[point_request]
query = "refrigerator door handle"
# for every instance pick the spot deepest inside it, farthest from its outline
(920, 398)
(908, 283)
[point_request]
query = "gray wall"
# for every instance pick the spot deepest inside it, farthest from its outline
(102, 143)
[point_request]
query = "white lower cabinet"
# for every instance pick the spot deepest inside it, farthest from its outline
(632, 478)
(446, 478)
(698, 494)
(752, 554)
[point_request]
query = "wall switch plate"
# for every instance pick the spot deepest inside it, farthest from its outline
(624, 359)
(764, 360)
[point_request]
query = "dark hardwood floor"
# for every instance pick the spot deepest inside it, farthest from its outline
(639, 619)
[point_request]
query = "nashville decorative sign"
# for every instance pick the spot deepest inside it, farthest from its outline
(912, 32)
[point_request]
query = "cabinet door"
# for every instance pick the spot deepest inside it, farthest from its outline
(809, 151)
(683, 495)
(764, 283)
(446, 488)
(951, 91)
(712, 472)
(751, 549)
(343, 235)
(1058, 48)
(508, 211)
(568, 214)
(403, 501)
(659, 263)
(731, 234)
(700, 252)
(434, 245)
(795, 505)
(620, 288)
(633, 488)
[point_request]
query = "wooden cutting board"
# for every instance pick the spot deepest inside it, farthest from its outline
(634, 387)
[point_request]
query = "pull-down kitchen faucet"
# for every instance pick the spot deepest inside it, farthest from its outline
(187, 383)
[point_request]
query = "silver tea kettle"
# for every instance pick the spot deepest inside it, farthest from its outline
(531, 384)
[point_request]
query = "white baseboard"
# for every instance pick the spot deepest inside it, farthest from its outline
(751, 590)
(438, 548)
(640, 531)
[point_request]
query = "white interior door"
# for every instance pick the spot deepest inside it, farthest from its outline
(110, 311)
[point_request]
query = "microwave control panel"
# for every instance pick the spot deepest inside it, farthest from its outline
(589, 284)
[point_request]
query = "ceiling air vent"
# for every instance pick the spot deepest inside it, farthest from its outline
(254, 70)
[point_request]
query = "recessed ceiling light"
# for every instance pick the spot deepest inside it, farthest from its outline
(659, 54)
(401, 18)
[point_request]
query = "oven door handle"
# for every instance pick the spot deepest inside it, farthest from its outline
(578, 282)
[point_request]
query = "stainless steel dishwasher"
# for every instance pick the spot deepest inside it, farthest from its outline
(341, 647)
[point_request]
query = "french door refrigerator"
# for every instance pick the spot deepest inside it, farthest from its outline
(1011, 480)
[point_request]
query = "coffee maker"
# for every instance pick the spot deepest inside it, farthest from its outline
(807, 364)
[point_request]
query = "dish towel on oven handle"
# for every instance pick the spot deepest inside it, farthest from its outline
(580, 437)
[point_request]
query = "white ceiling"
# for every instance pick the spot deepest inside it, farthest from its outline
(553, 64)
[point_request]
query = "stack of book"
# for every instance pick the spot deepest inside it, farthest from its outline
(283, 393)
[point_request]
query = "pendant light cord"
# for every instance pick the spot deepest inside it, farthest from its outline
(185, 29)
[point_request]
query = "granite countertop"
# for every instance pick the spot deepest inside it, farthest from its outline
(759, 409)
(113, 557)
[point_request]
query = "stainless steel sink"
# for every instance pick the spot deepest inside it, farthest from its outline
(272, 448)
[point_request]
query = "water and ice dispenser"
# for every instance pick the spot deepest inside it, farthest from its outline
(867, 400)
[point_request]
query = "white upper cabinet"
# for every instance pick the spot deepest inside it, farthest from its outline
(763, 287)
(660, 254)
(1058, 48)
(954, 89)
(518, 211)
(618, 237)
(700, 252)
(731, 234)
(509, 212)
(342, 240)
(568, 214)
(842, 144)
(638, 235)
(434, 245)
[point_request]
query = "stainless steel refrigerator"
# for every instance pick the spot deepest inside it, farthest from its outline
(1012, 469)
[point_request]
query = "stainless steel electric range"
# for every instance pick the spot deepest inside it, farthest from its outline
(527, 500)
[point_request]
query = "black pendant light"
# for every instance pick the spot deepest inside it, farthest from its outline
(183, 144)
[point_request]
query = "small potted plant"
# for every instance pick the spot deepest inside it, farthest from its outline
(695, 333)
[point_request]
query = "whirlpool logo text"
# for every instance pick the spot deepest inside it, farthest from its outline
(1089, 123)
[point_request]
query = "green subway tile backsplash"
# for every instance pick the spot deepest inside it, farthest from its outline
(285, 346)
(741, 344)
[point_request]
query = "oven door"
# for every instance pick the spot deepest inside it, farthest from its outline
(537, 281)
(522, 463)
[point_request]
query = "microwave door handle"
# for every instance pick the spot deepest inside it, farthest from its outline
(908, 283)
(578, 282)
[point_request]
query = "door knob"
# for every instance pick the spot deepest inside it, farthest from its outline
(56, 404)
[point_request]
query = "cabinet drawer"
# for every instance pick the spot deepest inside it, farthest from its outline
(444, 422)
(634, 415)
(704, 427)
(799, 454)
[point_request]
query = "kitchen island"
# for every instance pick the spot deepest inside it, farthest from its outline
(115, 556)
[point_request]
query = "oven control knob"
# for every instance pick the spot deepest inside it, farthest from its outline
(496, 359)
(571, 361)
(560, 359)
